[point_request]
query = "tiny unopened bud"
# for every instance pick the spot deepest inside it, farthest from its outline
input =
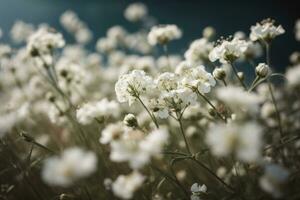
(241, 75)
(212, 112)
(50, 97)
(208, 32)
(262, 70)
(219, 74)
(130, 120)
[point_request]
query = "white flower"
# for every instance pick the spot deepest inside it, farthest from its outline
(136, 148)
(265, 30)
(125, 185)
(198, 51)
(43, 41)
(297, 30)
(293, 76)
(199, 78)
(208, 32)
(73, 164)
(21, 31)
(163, 34)
(111, 132)
(273, 178)
(131, 85)
(116, 33)
(166, 81)
(71, 22)
(239, 100)
(228, 51)
(242, 140)
(196, 190)
(106, 45)
(95, 110)
(135, 12)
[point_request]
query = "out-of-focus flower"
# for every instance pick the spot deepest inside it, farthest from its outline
(238, 100)
(125, 185)
(293, 76)
(73, 164)
(162, 34)
(242, 140)
(198, 51)
(130, 120)
(43, 41)
(106, 45)
(208, 32)
(136, 12)
(297, 30)
(89, 112)
(21, 31)
(274, 177)
(265, 30)
(71, 22)
(136, 148)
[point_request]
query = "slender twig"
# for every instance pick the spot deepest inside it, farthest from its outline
(149, 113)
(208, 101)
(237, 76)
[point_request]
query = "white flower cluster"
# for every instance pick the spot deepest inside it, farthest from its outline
(91, 111)
(72, 165)
(163, 34)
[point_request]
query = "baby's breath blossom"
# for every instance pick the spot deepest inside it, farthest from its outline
(43, 41)
(199, 78)
(262, 70)
(106, 45)
(21, 31)
(136, 12)
(111, 132)
(228, 51)
(242, 140)
(89, 112)
(297, 30)
(163, 34)
(293, 76)
(196, 190)
(125, 185)
(116, 33)
(132, 85)
(73, 164)
(136, 148)
(265, 30)
(238, 100)
(198, 51)
(208, 32)
(71, 22)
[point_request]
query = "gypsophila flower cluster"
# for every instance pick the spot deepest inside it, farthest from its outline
(214, 120)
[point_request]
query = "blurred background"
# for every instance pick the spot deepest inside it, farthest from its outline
(191, 16)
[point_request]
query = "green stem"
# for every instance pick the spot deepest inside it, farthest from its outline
(237, 76)
(183, 134)
(152, 116)
(208, 101)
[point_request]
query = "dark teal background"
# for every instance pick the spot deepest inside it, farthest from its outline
(190, 15)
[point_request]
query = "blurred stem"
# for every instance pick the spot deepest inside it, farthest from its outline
(178, 118)
(212, 173)
(237, 76)
(278, 117)
(166, 51)
(208, 101)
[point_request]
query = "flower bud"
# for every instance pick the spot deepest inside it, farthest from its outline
(219, 73)
(241, 76)
(208, 32)
(262, 70)
(130, 120)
